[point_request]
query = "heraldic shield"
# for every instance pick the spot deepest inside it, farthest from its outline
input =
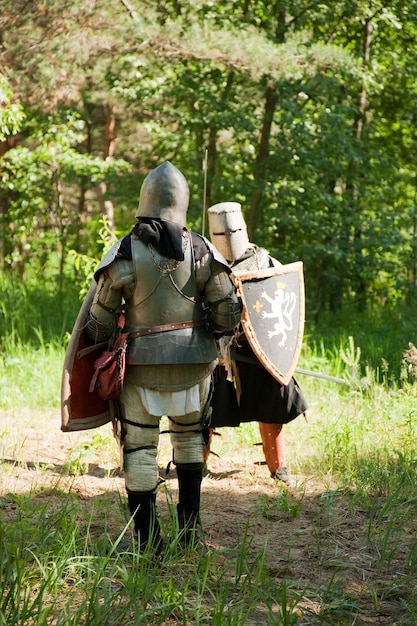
(273, 316)
(80, 408)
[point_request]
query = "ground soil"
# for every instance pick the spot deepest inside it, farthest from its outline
(308, 543)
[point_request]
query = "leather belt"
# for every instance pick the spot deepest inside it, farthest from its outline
(165, 328)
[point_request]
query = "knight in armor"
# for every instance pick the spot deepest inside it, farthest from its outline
(262, 397)
(177, 294)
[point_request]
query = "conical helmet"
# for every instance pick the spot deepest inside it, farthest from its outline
(165, 194)
(228, 231)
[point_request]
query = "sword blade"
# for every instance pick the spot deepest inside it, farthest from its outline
(332, 379)
(298, 370)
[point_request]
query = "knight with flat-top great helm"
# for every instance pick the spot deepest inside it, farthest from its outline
(262, 398)
(228, 231)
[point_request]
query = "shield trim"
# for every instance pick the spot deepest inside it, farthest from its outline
(242, 277)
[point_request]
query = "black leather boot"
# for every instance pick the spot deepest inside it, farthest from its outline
(142, 507)
(188, 508)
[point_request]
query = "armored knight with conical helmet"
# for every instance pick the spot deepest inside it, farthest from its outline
(261, 397)
(177, 293)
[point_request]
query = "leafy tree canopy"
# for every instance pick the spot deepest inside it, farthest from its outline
(302, 111)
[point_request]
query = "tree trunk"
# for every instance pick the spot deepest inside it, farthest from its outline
(211, 162)
(360, 121)
(106, 206)
(212, 148)
(7, 144)
(260, 172)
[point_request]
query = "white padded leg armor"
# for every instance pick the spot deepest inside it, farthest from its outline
(185, 431)
(140, 443)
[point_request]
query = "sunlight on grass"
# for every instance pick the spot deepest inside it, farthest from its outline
(354, 509)
(31, 377)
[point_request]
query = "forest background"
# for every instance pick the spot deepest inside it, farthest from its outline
(304, 112)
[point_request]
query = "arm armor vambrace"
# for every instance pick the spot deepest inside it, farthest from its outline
(225, 315)
(111, 287)
(98, 331)
(225, 306)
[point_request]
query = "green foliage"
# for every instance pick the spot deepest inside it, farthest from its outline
(39, 227)
(11, 114)
(307, 120)
(58, 564)
(84, 264)
(283, 506)
(36, 313)
(30, 375)
(380, 336)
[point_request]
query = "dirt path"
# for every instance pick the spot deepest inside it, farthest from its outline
(311, 538)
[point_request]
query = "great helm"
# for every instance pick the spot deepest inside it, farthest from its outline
(165, 194)
(228, 231)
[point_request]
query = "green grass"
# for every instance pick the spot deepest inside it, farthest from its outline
(57, 568)
(30, 376)
(58, 562)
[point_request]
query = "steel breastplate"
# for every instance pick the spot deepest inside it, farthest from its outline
(166, 293)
